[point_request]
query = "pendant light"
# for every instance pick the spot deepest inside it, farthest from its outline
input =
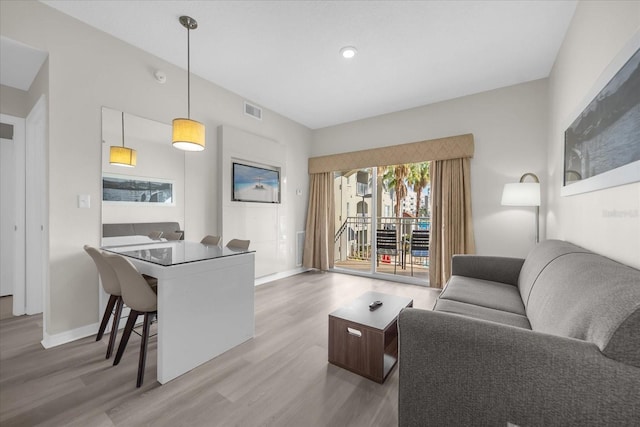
(122, 156)
(188, 134)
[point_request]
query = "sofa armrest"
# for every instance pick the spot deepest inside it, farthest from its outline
(494, 268)
(456, 370)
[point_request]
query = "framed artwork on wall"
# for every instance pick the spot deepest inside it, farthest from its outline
(137, 190)
(255, 183)
(602, 144)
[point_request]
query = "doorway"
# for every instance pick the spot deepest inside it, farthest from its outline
(23, 210)
(12, 213)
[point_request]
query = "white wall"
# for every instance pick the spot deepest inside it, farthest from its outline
(598, 32)
(87, 70)
(509, 128)
(14, 102)
(264, 224)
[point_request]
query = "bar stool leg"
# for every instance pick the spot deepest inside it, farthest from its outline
(106, 316)
(148, 317)
(131, 321)
(114, 327)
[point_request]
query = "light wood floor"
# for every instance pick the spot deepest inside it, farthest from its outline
(279, 378)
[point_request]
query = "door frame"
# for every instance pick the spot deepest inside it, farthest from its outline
(37, 207)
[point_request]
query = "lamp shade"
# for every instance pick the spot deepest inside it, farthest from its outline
(122, 156)
(521, 194)
(188, 135)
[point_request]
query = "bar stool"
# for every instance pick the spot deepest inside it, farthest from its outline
(176, 235)
(238, 245)
(141, 298)
(210, 240)
(111, 285)
(155, 235)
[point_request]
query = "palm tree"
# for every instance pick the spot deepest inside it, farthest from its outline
(394, 177)
(419, 180)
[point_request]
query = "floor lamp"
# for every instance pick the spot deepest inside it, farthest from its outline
(524, 194)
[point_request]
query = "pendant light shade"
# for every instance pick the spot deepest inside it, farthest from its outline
(188, 135)
(122, 156)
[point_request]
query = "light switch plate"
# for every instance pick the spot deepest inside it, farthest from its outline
(84, 201)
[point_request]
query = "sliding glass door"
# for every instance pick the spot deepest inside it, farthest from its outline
(377, 211)
(353, 205)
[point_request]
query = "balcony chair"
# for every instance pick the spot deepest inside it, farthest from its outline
(387, 244)
(419, 245)
(210, 240)
(142, 300)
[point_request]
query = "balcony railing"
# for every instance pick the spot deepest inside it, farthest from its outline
(355, 236)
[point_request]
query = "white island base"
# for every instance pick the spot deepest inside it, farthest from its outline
(205, 308)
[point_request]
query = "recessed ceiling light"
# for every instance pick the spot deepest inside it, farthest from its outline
(348, 52)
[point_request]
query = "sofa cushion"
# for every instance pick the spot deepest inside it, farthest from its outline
(483, 313)
(493, 268)
(539, 257)
(496, 295)
(592, 298)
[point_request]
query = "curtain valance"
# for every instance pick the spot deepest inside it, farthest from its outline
(453, 147)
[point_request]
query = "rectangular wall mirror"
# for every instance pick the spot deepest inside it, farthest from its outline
(154, 189)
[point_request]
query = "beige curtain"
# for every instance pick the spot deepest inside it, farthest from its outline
(451, 224)
(320, 230)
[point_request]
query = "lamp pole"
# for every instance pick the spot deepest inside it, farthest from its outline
(536, 180)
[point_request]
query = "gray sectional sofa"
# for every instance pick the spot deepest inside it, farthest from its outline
(550, 340)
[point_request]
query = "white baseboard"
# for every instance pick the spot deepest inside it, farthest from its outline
(55, 340)
(270, 278)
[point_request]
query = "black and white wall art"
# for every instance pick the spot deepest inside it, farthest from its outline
(602, 144)
(130, 189)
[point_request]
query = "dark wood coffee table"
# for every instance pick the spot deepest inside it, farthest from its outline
(363, 341)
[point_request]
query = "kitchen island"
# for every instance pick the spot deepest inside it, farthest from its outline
(205, 300)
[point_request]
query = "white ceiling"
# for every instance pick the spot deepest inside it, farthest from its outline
(284, 55)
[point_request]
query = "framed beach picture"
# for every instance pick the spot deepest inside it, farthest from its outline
(255, 183)
(602, 144)
(137, 190)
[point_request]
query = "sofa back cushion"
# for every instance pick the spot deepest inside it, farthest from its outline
(114, 230)
(138, 228)
(144, 228)
(589, 297)
(538, 259)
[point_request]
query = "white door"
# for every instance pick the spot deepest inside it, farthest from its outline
(12, 209)
(7, 214)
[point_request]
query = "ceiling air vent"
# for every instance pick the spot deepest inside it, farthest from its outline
(252, 110)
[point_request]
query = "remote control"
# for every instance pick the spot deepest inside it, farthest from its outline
(374, 305)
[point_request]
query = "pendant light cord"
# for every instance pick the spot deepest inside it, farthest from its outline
(188, 74)
(123, 129)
